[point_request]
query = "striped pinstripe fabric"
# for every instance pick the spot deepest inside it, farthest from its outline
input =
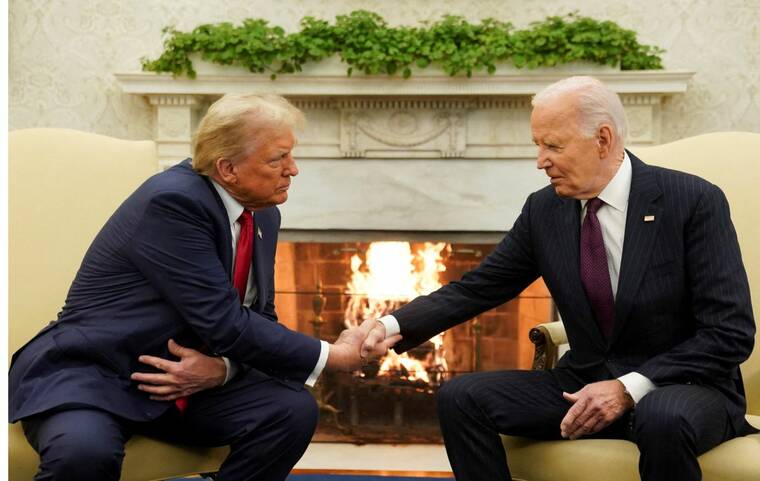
(683, 314)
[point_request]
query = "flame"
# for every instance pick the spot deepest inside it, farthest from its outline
(390, 276)
(412, 369)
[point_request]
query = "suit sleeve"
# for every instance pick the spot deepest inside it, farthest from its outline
(174, 248)
(503, 275)
(724, 326)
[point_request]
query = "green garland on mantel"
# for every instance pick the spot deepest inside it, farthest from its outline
(365, 42)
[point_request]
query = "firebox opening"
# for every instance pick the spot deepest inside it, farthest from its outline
(324, 287)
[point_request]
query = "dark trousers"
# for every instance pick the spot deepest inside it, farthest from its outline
(671, 425)
(267, 424)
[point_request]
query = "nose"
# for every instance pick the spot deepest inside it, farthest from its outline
(542, 160)
(291, 169)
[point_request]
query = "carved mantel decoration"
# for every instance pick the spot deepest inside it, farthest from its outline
(360, 128)
(402, 128)
(429, 115)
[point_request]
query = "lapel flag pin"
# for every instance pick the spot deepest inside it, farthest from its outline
(261, 237)
(647, 218)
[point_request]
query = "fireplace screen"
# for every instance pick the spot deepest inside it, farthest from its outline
(323, 287)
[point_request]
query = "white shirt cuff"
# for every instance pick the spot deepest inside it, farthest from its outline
(232, 369)
(391, 325)
(637, 385)
(321, 362)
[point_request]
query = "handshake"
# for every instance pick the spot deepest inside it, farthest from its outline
(358, 345)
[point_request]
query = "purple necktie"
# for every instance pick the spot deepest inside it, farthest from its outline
(594, 272)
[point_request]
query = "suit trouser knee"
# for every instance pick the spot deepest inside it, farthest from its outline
(474, 408)
(271, 438)
(291, 423)
(82, 444)
(455, 402)
(675, 424)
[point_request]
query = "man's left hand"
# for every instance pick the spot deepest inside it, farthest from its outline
(192, 373)
(595, 407)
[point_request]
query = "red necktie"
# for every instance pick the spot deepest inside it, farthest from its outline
(243, 255)
(595, 274)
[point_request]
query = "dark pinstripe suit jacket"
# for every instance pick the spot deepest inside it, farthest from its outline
(682, 313)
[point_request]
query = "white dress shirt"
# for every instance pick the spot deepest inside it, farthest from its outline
(611, 217)
(234, 209)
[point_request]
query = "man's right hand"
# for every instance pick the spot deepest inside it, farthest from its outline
(348, 353)
(372, 346)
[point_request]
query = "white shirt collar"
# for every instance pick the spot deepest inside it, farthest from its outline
(616, 192)
(233, 207)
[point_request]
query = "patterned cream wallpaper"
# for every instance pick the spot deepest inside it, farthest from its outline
(63, 53)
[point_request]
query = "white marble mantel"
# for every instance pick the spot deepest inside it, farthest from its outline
(428, 153)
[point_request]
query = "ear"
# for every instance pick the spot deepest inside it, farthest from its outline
(226, 171)
(604, 139)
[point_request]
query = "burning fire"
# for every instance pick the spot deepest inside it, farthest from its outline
(389, 276)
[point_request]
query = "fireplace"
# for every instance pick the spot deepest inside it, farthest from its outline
(325, 286)
(431, 158)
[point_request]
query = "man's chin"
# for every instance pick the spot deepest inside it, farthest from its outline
(560, 192)
(564, 192)
(271, 201)
(281, 197)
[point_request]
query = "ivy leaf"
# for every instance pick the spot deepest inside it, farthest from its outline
(363, 40)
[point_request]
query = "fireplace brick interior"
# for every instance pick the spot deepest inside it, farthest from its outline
(368, 409)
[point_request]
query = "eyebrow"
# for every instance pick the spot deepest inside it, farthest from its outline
(547, 141)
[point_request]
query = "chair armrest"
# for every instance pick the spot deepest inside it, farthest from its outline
(547, 338)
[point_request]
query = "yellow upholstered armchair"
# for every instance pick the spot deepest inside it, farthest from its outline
(730, 160)
(63, 186)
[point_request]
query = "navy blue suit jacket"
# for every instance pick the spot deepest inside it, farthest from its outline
(158, 269)
(682, 311)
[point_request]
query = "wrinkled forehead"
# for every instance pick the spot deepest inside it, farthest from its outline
(559, 115)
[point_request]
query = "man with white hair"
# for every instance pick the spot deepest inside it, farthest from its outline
(645, 269)
(176, 290)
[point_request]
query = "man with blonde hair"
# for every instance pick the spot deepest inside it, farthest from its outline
(169, 328)
(644, 267)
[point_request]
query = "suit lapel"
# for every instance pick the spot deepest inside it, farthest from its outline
(259, 258)
(567, 227)
(639, 239)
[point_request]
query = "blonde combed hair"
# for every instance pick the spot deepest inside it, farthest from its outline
(234, 124)
(597, 104)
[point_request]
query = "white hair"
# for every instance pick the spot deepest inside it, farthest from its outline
(235, 124)
(597, 104)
